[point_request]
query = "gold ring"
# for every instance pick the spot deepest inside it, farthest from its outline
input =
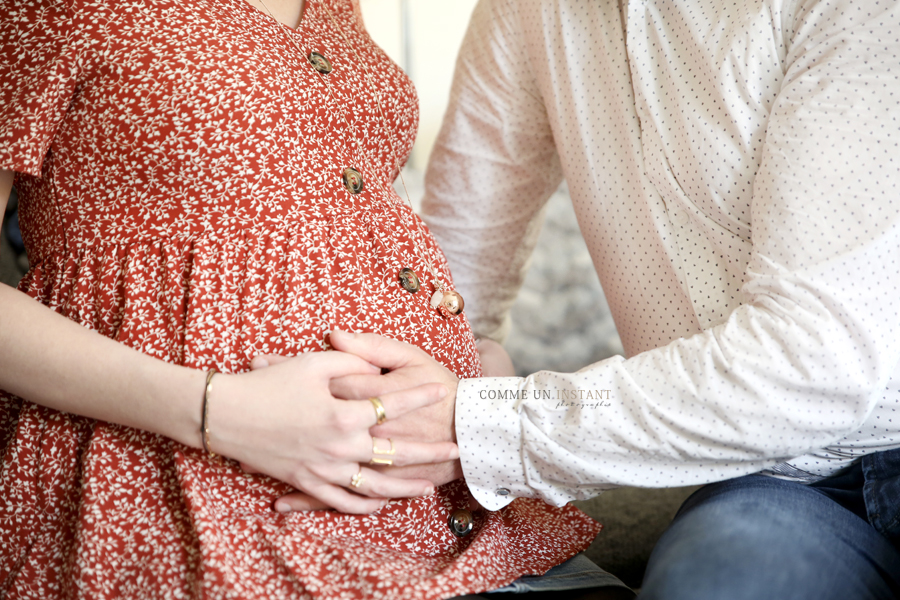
(390, 452)
(382, 461)
(357, 479)
(380, 415)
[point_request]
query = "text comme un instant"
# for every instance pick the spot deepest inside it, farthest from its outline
(545, 394)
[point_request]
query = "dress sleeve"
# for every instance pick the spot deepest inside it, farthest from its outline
(38, 73)
(496, 136)
(809, 361)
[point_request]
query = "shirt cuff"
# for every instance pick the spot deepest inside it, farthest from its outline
(489, 435)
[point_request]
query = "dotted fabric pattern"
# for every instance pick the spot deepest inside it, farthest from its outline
(734, 169)
(182, 194)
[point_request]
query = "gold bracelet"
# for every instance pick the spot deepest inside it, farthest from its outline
(204, 422)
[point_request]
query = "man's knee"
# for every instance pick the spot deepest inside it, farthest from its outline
(758, 537)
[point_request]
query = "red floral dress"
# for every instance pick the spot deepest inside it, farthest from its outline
(182, 193)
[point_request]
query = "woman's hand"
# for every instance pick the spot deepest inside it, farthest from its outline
(412, 372)
(283, 421)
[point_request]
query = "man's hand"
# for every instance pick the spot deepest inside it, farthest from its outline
(406, 367)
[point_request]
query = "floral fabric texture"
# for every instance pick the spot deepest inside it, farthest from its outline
(181, 185)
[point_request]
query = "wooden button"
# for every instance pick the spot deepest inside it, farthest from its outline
(409, 280)
(353, 180)
(319, 63)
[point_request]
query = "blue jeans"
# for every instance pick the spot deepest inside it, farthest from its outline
(757, 537)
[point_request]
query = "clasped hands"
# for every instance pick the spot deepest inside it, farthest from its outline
(314, 427)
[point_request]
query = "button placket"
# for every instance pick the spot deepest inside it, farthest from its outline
(320, 63)
(353, 180)
(409, 280)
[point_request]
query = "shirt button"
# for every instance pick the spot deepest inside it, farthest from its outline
(461, 522)
(319, 63)
(409, 280)
(503, 492)
(353, 180)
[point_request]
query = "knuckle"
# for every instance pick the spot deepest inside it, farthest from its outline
(403, 457)
(377, 342)
(297, 479)
(343, 421)
(321, 472)
(377, 489)
(333, 452)
(312, 360)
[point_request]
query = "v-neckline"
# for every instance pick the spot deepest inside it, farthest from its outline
(265, 13)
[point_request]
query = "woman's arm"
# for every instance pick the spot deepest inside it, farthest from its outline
(56, 363)
(282, 421)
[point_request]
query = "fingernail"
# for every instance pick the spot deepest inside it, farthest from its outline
(259, 362)
(428, 491)
(443, 393)
(342, 334)
(454, 454)
(282, 507)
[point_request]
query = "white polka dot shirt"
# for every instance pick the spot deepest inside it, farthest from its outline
(735, 170)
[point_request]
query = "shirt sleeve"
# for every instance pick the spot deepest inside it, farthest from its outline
(800, 365)
(38, 71)
(495, 138)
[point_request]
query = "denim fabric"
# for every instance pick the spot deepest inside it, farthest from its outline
(882, 492)
(757, 537)
(575, 574)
